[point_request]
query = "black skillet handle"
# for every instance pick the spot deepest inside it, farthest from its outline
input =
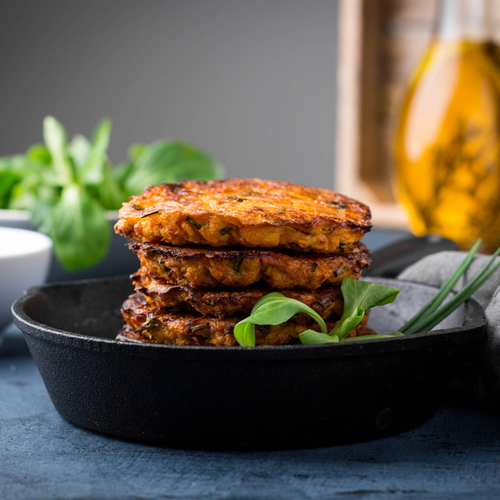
(390, 260)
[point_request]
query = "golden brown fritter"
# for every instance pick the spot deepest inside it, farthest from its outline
(211, 268)
(147, 324)
(219, 303)
(249, 212)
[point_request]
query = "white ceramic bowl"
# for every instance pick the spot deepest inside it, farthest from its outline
(119, 260)
(24, 262)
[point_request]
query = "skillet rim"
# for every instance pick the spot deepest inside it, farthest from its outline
(475, 320)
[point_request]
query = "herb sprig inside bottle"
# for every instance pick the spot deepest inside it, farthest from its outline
(359, 297)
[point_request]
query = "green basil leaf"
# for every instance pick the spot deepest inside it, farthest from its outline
(121, 174)
(275, 308)
(36, 165)
(310, 337)
(244, 333)
(79, 229)
(93, 169)
(17, 164)
(41, 207)
(24, 194)
(349, 323)
(8, 180)
(108, 192)
(39, 153)
(361, 295)
(22, 197)
(56, 141)
(366, 295)
(35, 178)
(135, 151)
(267, 298)
(272, 309)
(171, 161)
(79, 149)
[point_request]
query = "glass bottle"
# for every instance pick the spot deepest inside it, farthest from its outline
(448, 140)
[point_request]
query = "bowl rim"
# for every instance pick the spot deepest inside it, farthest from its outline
(475, 320)
(43, 243)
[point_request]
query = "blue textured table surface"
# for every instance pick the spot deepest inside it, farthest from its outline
(456, 454)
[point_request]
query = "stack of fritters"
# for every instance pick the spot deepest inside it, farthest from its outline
(210, 250)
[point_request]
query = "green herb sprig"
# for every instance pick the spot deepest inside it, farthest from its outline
(275, 308)
(272, 309)
(359, 297)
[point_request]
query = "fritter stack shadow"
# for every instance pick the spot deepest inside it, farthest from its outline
(210, 250)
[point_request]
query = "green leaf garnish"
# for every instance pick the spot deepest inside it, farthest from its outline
(244, 333)
(109, 192)
(79, 222)
(92, 171)
(359, 297)
(136, 150)
(348, 323)
(39, 153)
(275, 308)
(78, 150)
(272, 309)
(56, 141)
(310, 337)
(8, 180)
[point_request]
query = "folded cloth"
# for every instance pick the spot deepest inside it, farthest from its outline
(435, 270)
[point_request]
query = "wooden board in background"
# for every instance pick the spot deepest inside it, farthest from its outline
(380, 44)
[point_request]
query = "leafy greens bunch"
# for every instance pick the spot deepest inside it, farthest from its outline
(68, 185)
(359, 297)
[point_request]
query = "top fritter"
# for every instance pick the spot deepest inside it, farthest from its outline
(249, 212)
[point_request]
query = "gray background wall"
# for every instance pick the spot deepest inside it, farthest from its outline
(250, 81)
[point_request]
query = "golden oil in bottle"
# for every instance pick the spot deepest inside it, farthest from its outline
(448, 139)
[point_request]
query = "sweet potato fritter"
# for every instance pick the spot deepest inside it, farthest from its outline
(249, 212)
(211, 268)
(219, 303)
(147, 324)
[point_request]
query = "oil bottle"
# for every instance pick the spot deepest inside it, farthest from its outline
(447, 143)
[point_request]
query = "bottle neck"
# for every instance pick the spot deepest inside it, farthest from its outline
(464, 20)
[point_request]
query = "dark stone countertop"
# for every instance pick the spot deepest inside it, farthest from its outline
(456, 454)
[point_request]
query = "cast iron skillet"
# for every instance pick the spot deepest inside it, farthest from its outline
(266, 397)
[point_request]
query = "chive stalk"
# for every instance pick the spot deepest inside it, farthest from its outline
(429, 321)
(204, 326)
(441, 295)
(197, 225)
(375, 336)
(150, 213)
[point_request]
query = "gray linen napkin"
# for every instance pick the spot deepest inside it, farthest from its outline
(435, 270)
